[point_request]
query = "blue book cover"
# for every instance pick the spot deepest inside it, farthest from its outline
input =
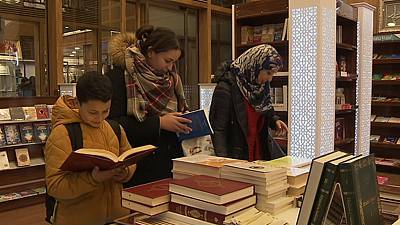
(200, 125)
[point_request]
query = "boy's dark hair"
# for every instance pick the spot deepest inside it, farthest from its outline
(159, 40)
(93, 86)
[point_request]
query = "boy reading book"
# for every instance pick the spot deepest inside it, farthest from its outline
(89, 196)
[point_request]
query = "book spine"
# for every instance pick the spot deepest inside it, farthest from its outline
(346, 172)
(199, 214)
(324, 193)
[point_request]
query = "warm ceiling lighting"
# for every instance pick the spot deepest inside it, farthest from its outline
(77, 48)
(66, 27)
(72, 55)
(73, 52)
(391, 24)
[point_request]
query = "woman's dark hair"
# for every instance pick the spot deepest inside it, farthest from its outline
(93, 86)
(159, 40)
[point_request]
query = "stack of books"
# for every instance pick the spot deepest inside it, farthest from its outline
(297, 170)
(210, 199)
(151, 198)
(270, 184)
(185, 167)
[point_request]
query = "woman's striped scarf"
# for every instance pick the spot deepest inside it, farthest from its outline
(246, 69)
(150, 94)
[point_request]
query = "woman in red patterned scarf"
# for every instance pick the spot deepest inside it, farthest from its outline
(148, 96)
(241, 110)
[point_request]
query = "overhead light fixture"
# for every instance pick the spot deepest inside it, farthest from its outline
(77, 48)
(76, 32)
(72, 55)
(73, 52)
(66, 27)
(391, 24)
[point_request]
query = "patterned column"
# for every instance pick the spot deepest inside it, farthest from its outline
(312, 54)
(364, 79)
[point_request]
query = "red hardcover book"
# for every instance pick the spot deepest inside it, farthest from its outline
(42, 111)
(151, 194)
(210, 189)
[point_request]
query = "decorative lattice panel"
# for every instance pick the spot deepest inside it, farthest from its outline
(206, 93)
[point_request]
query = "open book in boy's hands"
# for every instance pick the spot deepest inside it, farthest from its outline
(86, 159)
(200, 125)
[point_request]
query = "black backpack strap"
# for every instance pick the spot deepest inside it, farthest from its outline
(75, 135)
(116, 128)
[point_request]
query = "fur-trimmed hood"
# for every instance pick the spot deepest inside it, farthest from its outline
(118, 45)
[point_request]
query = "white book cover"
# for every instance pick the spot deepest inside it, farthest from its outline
(254, 169)
(394, 120)
(5, 114)
(4, 163)
(382, 119)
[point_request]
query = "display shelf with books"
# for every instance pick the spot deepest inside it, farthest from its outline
(24, 128)
(385, 105)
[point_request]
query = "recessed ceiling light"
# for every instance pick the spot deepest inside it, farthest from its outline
(66, 27)
(73, 52)
(77, 48)
(391, 24)
(72, 55)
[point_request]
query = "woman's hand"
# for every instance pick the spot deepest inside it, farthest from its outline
(174, 123)
(281, 128)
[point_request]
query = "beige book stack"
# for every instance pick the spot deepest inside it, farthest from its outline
(270, 184)
(185, 167)
(297, 170)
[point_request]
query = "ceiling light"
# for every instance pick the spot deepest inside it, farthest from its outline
(73, 52)
(66, 27)
(72, 55)
(391, 24)
(77, 48)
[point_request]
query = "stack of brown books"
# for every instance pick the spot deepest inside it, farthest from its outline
(210, 199)
(270, 184)
(151, 198)
(185, 167)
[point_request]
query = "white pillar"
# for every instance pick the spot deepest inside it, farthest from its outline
(312, 57)
(364, 79)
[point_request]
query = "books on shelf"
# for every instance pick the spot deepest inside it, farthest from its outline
(22, 156)
(17, 113)
(340, 133)
(148, 210)
(201, 165)
(5, 114)
(210, 189)
(86, 159)
(382, 119)
(42, 111)
(27, 133)
(200, 125)
(4, 163)
(375, 138)
(30, 113)
(279, 98)
(390, 139)
(12, 134)
(150, 194)
(2, 136)
(41, 131)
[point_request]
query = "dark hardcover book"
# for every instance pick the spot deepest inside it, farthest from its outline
(86, 159)
(151, 194)
(41, 132)
(12, 134)
(339, 129)
(325, 190)
(360, 190)
(17, 113)
(390, 139)
(200, 125)
(2, 136)
(42, 111)
(27, 133)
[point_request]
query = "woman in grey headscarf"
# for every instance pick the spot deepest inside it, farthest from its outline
(241, 109)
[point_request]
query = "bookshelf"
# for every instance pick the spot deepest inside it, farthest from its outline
(386, 97)
(259, 13)
(23, 185)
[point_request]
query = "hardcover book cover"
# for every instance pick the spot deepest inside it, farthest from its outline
(151, 194)
(212, 185)
(200, 125)
(17, 113)
(30, 113)
(4, 163)
(42, 111)
(27, 133)
(22, 156)
(12, 134)
(2, 136)
(41, 132)
(5, 114)
(339, 129)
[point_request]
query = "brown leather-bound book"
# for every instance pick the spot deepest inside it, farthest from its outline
(202, 214)
(151, 194)
(86, 159)
(210, 189)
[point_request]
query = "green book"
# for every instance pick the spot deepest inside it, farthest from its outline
(325, 190)
(360, 190)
